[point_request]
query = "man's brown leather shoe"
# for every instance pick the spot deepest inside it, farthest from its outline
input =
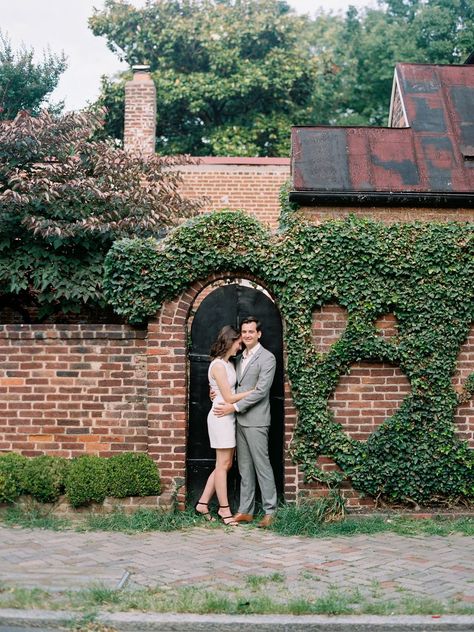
(241, 517)
(266, 521)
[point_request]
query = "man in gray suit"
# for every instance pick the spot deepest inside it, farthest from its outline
(255, 371)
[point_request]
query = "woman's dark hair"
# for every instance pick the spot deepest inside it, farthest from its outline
(224, 341)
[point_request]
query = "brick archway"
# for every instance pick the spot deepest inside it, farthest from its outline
(168, 389)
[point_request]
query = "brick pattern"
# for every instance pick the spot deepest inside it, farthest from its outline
(464, 418)
(254, 189)
(387, 326)
(365, 397)
(353, 499)
(72, 389)
(98, 389)
(140, 114)
(387, 215)
(362, 401)
(328, 324)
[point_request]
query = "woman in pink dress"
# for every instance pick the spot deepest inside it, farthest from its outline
(221, 430)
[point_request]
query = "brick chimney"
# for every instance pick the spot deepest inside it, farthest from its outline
(140, 112)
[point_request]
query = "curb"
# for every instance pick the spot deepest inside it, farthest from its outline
(131, 622)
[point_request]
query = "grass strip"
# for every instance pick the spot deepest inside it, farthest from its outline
(224, 600)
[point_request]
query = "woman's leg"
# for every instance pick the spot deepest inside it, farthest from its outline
(207, 493)
(224, 458)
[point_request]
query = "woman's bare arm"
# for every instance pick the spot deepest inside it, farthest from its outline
(218, 372)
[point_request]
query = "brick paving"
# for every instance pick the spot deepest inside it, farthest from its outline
(384, 565)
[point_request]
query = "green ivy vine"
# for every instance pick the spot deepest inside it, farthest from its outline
(421, 272)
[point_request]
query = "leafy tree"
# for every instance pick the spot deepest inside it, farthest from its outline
(361, 50)
(24, 84)
(64, 199)
(232, 76)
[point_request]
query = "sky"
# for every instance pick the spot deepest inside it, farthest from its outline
(61, 25)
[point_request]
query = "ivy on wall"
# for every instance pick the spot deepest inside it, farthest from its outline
(421, 272)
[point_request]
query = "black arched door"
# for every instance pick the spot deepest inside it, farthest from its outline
(229, 305)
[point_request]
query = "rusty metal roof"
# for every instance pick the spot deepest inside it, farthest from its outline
(431, 161)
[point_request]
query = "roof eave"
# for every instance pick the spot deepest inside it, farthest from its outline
(383, 198)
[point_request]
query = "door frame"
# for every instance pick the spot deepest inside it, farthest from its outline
(199, 456)
(168, 384)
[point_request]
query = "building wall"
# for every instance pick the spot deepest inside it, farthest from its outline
(100, 389)
(387, 215)
(73, 389)
(249, 184)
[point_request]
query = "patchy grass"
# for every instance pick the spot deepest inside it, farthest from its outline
(143, 520)
(33, 518)
(224, 600)
(256, 581)
(308, 519)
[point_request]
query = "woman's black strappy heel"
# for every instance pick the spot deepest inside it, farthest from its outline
(204, 514)
(231, 522)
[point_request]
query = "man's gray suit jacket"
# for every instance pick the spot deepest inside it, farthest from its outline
(254, 410)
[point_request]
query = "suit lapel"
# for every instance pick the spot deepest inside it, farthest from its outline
(238, 367)
(251, 361)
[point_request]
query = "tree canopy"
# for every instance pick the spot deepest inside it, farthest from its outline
(64, 199)
(232, 76)
(361, 50)
(25, 84)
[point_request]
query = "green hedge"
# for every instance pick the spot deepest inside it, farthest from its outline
(12, 476)
(45, 477)
(132, 474)
(421, 272)
(84, 479)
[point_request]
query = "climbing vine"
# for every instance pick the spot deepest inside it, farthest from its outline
(421, 272)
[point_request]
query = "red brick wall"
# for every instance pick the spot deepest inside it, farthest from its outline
(320, 214)
(140, 114)
(353, 499)
(464, 419)
(72, 389)
(367, 396)
(328, 325)
(362, 400)
(249, 184)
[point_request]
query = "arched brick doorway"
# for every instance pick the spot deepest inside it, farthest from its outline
(168, 383)
(228, 303)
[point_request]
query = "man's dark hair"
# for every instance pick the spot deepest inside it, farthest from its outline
(251, 319)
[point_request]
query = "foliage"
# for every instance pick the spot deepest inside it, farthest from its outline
(308, 519)
(30, 516)
(132, 474)
(12, 468)
(63, 200)
(45, 477)
(143, 520)
(360, 50)
(87, 480)
(24, 84)
(421, 272)
(231, 76)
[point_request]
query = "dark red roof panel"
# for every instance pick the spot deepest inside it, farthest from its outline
(435, 154)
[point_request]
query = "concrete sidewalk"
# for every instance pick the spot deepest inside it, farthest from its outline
(388, 565)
